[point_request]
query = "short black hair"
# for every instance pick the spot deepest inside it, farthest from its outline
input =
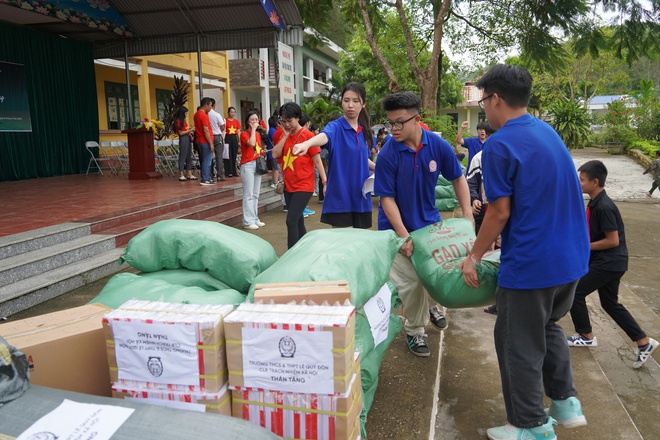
(291, 110)
(205, 101)
(488, 129)
(304, 119)
(512, 83)
(272, 121)
(481, 126)
(594, 169)
(313, 127)
(657, 153)
(402, 100)
(212, 102)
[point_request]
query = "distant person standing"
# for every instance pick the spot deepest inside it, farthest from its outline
(654, 169)
(473, 145)
(543, 256)
(204, 139)
(218, 128)
(185, 134)
(251, 149)
(233, 131)
(607, 264)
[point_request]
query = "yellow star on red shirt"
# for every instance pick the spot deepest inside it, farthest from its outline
(288, 160)
(232, 130)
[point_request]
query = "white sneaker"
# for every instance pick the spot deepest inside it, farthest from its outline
(260, 224)
(644, 355)
(578, 340)
(251, 227)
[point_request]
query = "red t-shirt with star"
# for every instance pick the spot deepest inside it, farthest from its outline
(298, 171)
(248, 153)
(232, 126)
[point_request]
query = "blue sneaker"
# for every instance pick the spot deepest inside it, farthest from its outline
(308, 211)
(578, 340)
(510, 432)
(567, 412)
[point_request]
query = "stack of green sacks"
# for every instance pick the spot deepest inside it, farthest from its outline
(189, 261)
(445, 196)
(361, 257)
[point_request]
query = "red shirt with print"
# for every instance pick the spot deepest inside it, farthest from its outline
(248, 153)
(232, 126)
(298, 171)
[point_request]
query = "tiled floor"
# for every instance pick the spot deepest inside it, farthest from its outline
(36, 203)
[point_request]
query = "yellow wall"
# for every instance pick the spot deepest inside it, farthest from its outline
(215, 65)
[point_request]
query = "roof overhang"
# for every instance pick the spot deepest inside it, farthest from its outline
(154, 27)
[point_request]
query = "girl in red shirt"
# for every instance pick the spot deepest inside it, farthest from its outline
(185, 143)
(251, 149)
(297, 171)
(233, 131)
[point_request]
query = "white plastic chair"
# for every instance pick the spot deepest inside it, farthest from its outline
(121, 154)
(100, 161)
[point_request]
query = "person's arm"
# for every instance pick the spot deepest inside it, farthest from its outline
(391, 210)
(372, 165)
(279, 146)
(610, 241)
(207, 135)
(317, 141)
(463, 196)
(459, 136)
(496, 217)
(318, 163)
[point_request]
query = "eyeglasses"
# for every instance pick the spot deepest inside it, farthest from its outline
(481, 101)
(397, 125)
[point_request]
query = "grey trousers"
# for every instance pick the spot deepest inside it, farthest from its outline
(532, 351)
(218, 145)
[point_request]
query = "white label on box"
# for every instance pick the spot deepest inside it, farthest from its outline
(378, 311)
(187, 406)
(73, 420)
(288, 360)
(159, 353)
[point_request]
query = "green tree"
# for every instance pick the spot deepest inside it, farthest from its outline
(571, 121)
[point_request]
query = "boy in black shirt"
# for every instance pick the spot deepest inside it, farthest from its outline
(607, 264)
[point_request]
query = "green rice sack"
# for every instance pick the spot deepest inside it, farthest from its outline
(187, 278)
(451, 290)
(125, 286)
(446, 204)
(361, 257)
(445, 192)
(230, 255)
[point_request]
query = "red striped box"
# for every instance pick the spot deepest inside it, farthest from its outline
(303, 416)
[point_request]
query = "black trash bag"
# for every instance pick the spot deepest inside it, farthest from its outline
(14, 372)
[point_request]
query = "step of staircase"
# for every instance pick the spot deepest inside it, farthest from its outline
(11, 245)
(31, 291)
(28, 264)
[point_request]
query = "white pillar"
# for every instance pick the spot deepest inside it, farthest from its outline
(310, 74)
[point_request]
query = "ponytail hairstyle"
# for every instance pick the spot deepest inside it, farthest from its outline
(363, 117)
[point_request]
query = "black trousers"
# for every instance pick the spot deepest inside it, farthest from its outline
(295, 222)
(607, 284)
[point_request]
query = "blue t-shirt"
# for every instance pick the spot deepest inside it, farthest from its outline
(473, 146)
(410, 178)
(348, 168)
(270, 143)
(544, 242)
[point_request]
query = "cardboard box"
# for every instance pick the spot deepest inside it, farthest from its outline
(147, 336)
(308, 291)
(303, 416)
(294, 348)
(217, 403)
(66, 349)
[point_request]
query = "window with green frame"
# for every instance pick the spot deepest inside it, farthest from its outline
(117, 105)
(161, 99)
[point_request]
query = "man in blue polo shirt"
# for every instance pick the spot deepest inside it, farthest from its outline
(406, 175)
(535, 202)
(473, 145)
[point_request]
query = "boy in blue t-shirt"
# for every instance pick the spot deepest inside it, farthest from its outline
(607, 264)
(473, 145)
(535, 202)
(406, 175)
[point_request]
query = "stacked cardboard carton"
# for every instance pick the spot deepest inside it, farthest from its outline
(293, 370)
(173, 353)
(65, 349)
